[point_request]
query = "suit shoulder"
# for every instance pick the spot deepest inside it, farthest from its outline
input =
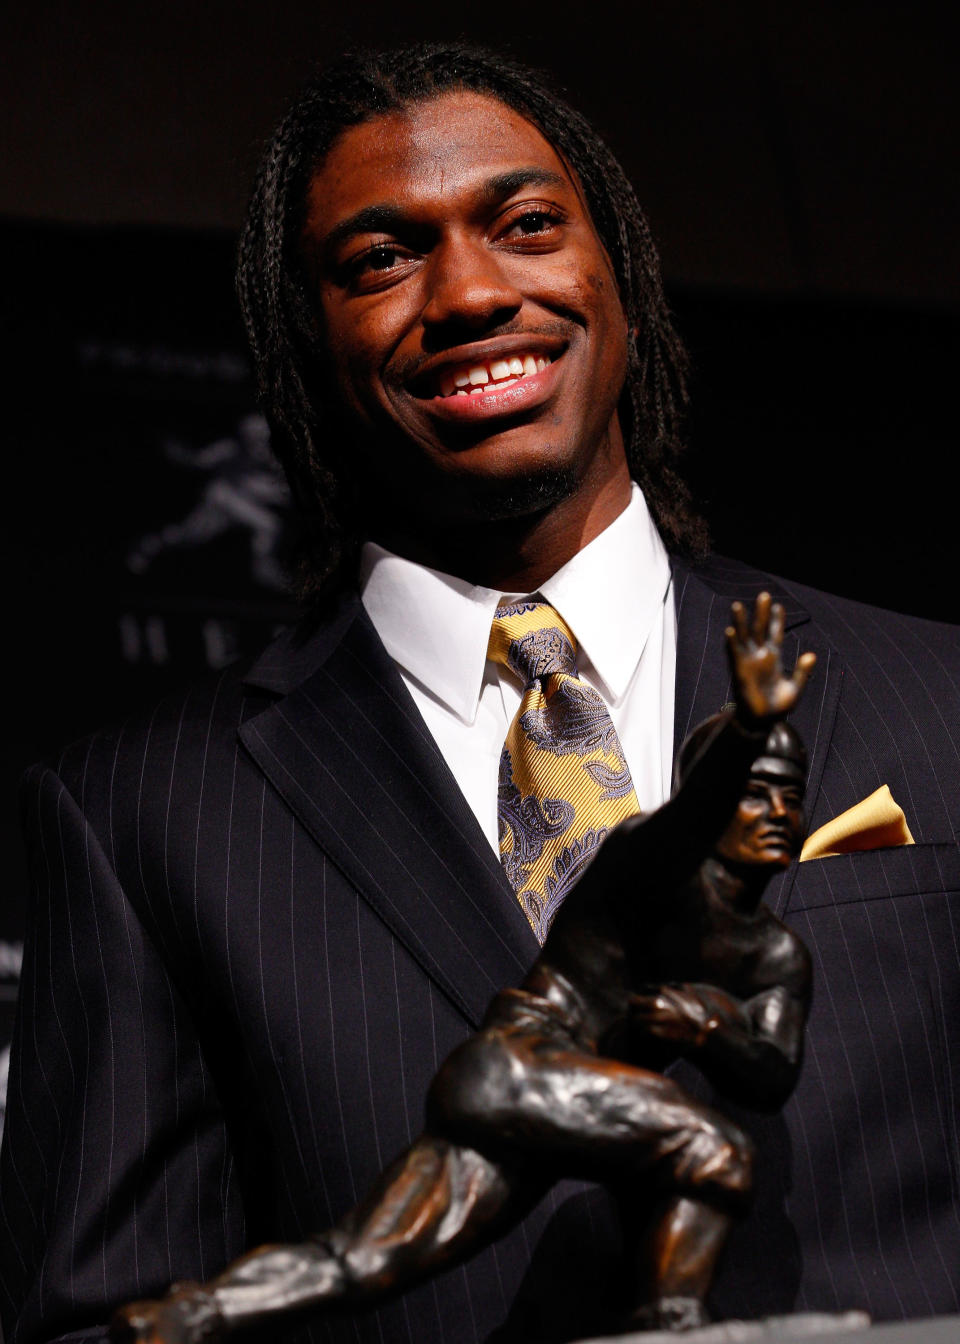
(856, 629)
(846, 617)
(184, 725)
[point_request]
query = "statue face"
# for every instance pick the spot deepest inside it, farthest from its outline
(767, 828)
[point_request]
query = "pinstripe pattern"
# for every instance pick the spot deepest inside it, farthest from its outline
(194, 1073)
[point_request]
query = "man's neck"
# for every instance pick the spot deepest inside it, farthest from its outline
(514, 555)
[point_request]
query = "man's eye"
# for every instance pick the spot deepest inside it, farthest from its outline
(376, 262)
(382, 258)
(533, 222)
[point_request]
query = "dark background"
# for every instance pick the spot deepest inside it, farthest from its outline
(799, 164)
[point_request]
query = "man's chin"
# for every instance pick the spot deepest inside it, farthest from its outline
(502, 499)
(478, 481)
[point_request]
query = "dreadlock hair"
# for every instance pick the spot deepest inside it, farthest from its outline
(280, 320)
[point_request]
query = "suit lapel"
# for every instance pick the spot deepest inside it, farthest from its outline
(703, 597)
(348, 750)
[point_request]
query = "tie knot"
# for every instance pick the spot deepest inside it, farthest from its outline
(533, 639)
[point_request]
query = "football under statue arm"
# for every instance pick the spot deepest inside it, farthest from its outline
(751, 1050)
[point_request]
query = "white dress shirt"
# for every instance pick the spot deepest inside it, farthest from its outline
(616, 595)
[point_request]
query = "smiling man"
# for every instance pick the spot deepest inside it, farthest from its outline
(267, 910)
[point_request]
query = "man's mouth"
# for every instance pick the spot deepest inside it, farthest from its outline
(479, 378)
(490, 385)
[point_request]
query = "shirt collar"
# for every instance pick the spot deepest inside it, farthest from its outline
(612, 591)
(437, 626)
(434, 625)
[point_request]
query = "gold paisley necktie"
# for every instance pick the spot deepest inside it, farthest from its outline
(563, 778)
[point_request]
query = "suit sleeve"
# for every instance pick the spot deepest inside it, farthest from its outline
(116, 1174)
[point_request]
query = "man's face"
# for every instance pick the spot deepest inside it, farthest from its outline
(476, 340)
(767, 827)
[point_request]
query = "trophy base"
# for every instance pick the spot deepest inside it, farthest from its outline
(823, 1327)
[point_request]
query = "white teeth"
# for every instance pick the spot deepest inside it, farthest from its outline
(487, 377)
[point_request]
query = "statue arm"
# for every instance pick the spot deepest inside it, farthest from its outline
(674, 840)
(667, 846)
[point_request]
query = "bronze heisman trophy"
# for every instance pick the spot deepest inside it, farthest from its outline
(663, 949)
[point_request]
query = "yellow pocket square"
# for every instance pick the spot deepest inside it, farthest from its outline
(875, 823)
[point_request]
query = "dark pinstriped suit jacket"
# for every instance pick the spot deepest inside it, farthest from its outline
(250, 950)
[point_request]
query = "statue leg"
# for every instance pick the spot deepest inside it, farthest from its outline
(579, 1114)
(673, 1245)
(435, 1205)
(520, 1092)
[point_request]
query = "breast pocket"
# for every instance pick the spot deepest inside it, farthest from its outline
(876, 875)
(882, 1063)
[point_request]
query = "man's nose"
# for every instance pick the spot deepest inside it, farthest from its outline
(468, 288)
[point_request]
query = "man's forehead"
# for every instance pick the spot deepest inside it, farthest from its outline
(478, 125)
(457, 144)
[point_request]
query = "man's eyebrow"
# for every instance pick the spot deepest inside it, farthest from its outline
(505, 184)
(387, 218)
(371, 219)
